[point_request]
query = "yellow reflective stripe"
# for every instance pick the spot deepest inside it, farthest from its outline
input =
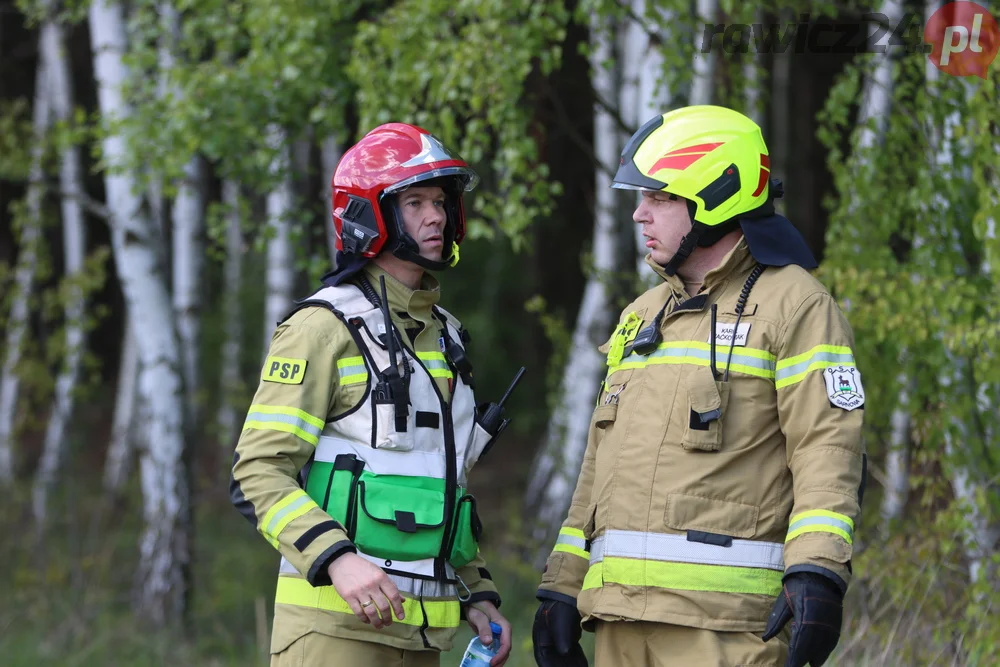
(795, 369)
(299, 592)
(572, 532)
(570, 549)
(291, 412)
(798, 359)
(826, 513)
(819, 529)
(440, 373)
(821, 521)
(286, 420)
(283, 512)
(352, 370)
(683, 576)
(746, 360)
(431, 356)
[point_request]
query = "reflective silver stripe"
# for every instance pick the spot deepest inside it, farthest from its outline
(569, 540)
(294, 505)
(676, 548)
(297, 422)
(424, 568)
(406, 585)
(435, 364)
(424, 588)
(346, 371)
(822, 521)
(803, 366)
(720, 356)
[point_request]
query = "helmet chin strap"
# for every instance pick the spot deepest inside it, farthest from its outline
(688, 243)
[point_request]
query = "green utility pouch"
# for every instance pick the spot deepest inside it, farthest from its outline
(394, 517)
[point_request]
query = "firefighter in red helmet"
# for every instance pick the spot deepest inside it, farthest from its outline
(354, 458)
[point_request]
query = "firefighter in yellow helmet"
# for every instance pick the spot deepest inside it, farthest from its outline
(354, 457)
(715, 511)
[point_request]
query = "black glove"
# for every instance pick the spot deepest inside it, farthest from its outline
(816, 605)
(556, 635)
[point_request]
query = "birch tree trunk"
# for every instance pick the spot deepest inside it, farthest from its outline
(233, 320)
(61, 94)
(160, 584)
(752, 80)
(116, 465)
(897, 458)
(24, 277)
(702, 83)
(330, 153)
(979, 535)
(558, 464)
(188, 217)
(188, 259)
(654, 98)
(280, 258)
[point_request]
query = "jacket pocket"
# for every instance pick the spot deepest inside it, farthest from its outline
(707, 403)
(467, 534)
(712, 515)
(384, 422)
(398, 519)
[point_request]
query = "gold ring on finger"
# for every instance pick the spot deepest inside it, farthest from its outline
(365, 605)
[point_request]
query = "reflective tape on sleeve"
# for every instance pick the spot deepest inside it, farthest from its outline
(572, 541)
(283, 512)
(352, 370)
(285, 419)
(821, 521)
(795, 369)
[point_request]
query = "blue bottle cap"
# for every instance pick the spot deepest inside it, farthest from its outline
(496, 629)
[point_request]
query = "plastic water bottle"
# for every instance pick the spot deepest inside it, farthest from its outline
(477, 655)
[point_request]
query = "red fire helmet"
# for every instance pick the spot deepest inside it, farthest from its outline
(386, 161)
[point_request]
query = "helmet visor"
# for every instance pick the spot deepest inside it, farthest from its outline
(468, 179)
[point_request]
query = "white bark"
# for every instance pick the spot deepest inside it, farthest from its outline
(280, 257)
(116, 465)
(979, 536)
(779, 137)
(188, 218)
(24, 276)
(160, 581)
(897, 459)
(330, 153)
(188, 258)
(233, 320)
(558, 464)
(74, 252)
(702, 83)
(752, 80)
(876, 96)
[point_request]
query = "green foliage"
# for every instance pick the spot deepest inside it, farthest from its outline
(462, 69)
(911, 254)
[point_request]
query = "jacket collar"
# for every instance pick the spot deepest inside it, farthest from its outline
(737, 261)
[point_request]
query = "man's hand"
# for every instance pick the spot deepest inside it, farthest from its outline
(479, 615)
(555, 635)
(814, 605)
(367, 589)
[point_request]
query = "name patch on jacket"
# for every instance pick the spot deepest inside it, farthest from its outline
(843, 386)
(284, 370)
(724, 333)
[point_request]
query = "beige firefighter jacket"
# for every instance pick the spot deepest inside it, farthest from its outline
(697, 494)
(315, 381)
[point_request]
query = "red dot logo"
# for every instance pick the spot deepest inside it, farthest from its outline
(965, 39)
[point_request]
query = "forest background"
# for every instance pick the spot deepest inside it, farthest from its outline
(164, 197)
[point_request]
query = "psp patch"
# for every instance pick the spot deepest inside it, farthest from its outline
(283, 370)
(843, 387)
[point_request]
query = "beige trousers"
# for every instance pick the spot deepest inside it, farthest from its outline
(643, 644)
(319, 650)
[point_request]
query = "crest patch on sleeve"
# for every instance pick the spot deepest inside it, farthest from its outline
(285, 371)
(843, 387)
